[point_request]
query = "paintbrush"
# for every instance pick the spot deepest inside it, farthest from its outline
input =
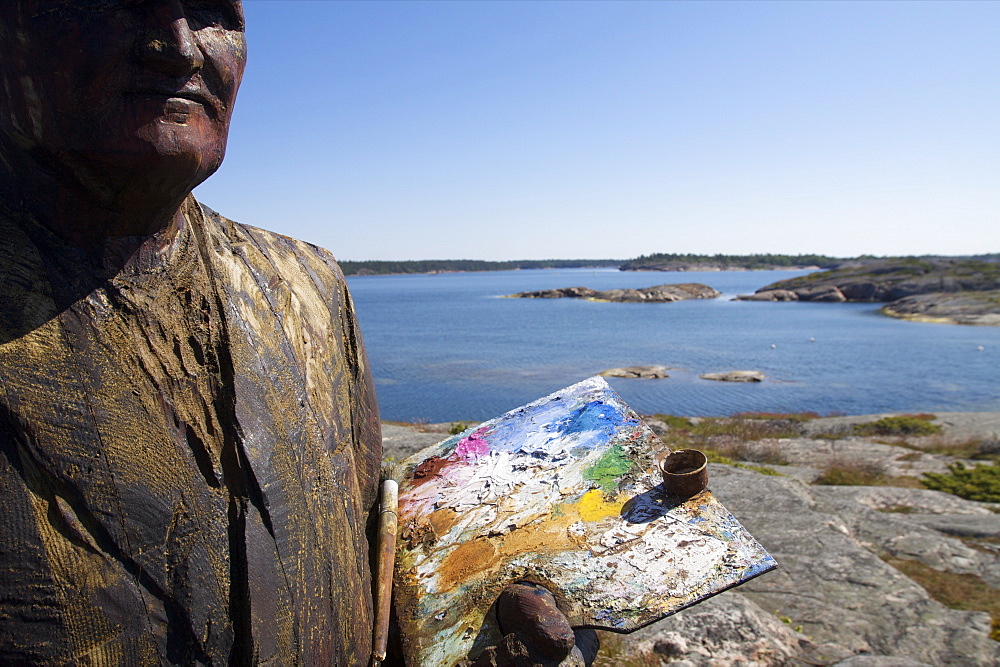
(387, 521)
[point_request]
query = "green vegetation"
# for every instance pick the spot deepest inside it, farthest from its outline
(787, 416)
(967, 592)
(459, 427)
(672, 261)
(763, 470)
(725, 439)
(981, 265)
(675, 422)
(982, 270)
(788, 621)
(861, 472)
(377, 267)
(917, 425)
(981, 483)
(828, 435)
(745, 429)
(737, 427)
(974, 447)
(971, 447)
(844, 472)
(715, 457)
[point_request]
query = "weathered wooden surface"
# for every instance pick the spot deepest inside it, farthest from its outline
(188, 453)
(189, 441)
(563, 492)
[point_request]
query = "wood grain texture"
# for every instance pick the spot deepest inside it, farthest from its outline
(189, 451)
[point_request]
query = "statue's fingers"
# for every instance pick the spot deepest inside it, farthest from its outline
(530, 611)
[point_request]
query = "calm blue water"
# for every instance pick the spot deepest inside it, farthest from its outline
(445, 347)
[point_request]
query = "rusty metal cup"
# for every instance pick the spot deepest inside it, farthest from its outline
(685, 472)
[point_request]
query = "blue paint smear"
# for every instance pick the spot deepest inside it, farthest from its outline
(509, 433)
(604, 418)
(562, 416)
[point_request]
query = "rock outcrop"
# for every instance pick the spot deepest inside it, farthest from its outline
(832, 598)
(958, 291)
(734, 376)
(891, 279)
(836, 597)
(655, 294)
(958, 308)
(644, 372)
(769, 295)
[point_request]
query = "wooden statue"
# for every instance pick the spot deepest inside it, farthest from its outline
(189, 438)
(190, 441)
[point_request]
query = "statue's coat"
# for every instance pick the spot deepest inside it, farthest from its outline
(189, 451)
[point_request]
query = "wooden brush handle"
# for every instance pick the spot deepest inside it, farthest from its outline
(387, 521)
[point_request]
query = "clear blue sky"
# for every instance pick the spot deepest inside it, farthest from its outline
(514, 130)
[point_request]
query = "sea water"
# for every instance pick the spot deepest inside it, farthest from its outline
(449, 347)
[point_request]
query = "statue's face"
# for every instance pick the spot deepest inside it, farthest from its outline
(112, 88)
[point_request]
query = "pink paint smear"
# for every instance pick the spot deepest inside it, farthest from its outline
(473, 446)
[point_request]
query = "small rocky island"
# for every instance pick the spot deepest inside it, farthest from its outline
(930, 289)
(641, 372)
(734, 376)
(656, 294)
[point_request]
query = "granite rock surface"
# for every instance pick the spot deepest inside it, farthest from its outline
(834, 599)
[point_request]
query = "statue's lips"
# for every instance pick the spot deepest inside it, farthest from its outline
(179, 101)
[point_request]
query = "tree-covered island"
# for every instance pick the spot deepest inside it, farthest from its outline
(654, 262)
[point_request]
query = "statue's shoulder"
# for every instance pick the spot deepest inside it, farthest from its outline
(278, 249)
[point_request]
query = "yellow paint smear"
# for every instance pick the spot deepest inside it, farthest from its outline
(594, 506)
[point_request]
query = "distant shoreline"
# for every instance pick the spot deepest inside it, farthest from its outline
(685, 264)
(440, 266)
(655, 262)
(718, 269)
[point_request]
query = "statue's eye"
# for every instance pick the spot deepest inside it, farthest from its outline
(227, 14)
(65, 8)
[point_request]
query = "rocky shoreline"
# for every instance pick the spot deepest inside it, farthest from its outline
(979, 308)
(947, 290)
(841, 594)
(655, 294)
(712, 267)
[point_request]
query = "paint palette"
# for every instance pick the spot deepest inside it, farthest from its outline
(563, 492)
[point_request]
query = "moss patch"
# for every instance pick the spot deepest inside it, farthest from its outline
(763, 470)
(852, 472)
(957, 591)
(899, 425)
(980, 483)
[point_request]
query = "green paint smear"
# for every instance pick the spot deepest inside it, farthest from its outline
(608, 469)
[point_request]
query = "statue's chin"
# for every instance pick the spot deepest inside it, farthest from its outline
(182, 142)
(155, 168)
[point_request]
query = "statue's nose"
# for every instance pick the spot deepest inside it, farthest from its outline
(170, 46)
